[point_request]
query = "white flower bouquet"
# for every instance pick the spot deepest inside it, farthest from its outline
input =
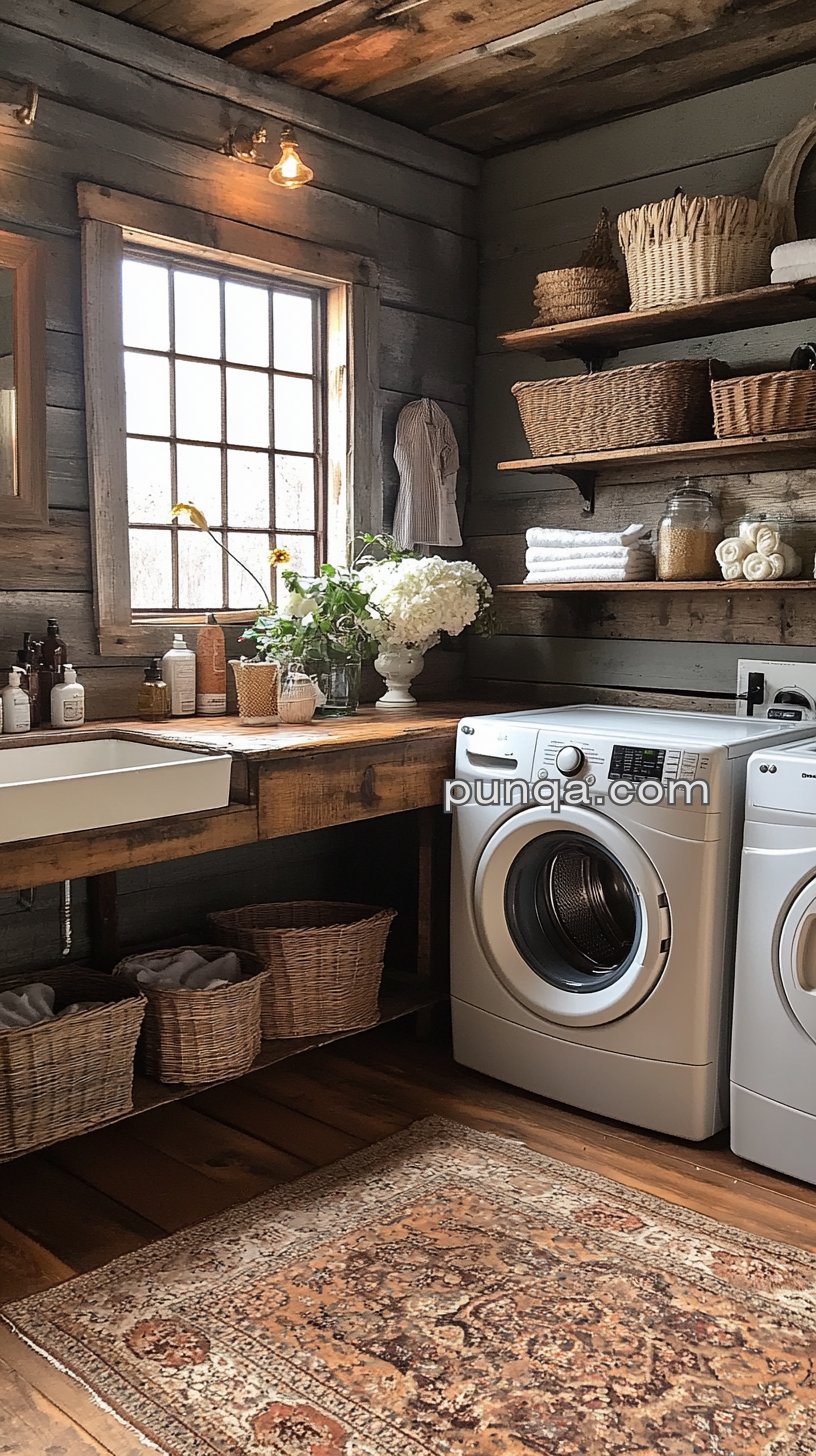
(416, 599)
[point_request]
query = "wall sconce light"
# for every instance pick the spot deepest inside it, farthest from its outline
(243, 142)
(290, 170)
(26, 114)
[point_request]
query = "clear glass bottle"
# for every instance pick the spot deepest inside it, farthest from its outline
(153, 704)
(689, 531)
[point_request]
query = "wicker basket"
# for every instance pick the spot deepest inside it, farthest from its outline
(764, 404)
(193, 1036)
(618, 409)
(68, 1075)
(257, 686)
(686, 248)
(325, 959)
(595, 286)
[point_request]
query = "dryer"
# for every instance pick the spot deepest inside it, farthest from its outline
(773, 1065)
(592, 940)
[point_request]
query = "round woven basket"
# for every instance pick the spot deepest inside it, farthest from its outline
(617, 409)
(595, 286)
(764, 404)
(193, 1036)
(686, 248)
(70, 1074)
(325, 960)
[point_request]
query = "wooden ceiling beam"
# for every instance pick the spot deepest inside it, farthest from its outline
(210, 24)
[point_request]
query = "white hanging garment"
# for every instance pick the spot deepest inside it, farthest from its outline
(427, 457)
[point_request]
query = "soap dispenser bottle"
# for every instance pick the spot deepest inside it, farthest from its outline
(16, 705)
(153, 704)
(179, 672)
(68, 700)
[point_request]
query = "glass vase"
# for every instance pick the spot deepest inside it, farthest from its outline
(338, 676)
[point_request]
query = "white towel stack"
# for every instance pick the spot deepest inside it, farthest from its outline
(29, 1004)
(556, 555)
(792, 261)
(189, 970)
(757, 554)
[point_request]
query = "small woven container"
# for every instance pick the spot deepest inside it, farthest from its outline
(685, 248)
(68, 1075)
(257, 685)
(325, 960)
(764, 404)
(617, 409)
(595, 286)
(193, 1036)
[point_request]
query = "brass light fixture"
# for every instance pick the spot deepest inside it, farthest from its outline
(243, 142)
(290, 170)
(27, 113)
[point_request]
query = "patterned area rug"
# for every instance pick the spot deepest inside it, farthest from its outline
(441, 1293)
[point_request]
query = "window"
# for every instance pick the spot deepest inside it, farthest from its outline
(234, 369)
(225, 404)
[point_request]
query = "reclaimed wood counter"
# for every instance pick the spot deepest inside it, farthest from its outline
(286, 780)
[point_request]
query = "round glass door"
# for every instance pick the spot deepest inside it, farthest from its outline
(572, 915)
(797, 958)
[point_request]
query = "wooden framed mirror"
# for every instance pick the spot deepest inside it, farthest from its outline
(23, 483)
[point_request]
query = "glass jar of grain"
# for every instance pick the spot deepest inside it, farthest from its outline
(688, 533)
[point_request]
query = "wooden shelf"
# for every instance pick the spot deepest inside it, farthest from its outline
(547, 589)
(687, 452)
(775, 303)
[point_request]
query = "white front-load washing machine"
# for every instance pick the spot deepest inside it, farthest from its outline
(592, 919)
(773, 1057)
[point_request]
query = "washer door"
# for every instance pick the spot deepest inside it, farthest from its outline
(797, 958)
(572, 915)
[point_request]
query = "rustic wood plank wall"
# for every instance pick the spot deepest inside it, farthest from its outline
(146, 115)
(539, 204)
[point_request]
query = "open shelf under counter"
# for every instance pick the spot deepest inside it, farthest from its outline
(547, 589)
(774, 303)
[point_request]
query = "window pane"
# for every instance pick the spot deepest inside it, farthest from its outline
(247, 324)
(302, 551)
(145, 305)
(198, 479)
(151, 569)
(292, 320)
(247, 408)
(198, 401)
(147, 394)
(200, 583)
(294, 492)
(148, 477)
(248, 488)
(294, 413)
(251, 551)
(198, 314)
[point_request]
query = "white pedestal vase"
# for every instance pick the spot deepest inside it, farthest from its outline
(399, 666)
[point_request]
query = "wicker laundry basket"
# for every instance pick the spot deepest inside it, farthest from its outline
(325, 960)
(595, 286)
(69, 1074)
(257, 685)
(617, 409)
(193, 1036)
(686, 248)
(764, 404)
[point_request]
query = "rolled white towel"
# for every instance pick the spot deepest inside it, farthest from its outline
(791, 558)
(748, 531)
(732, 570)
(790, 255)
(763, 568)
(732, 551)
(551, 536)
(767, 540)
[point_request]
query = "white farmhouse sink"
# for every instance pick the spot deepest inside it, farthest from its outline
(58, 788)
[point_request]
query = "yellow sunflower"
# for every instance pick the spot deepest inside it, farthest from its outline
(279, 556)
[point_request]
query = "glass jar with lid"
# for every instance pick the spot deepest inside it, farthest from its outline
(689, 531)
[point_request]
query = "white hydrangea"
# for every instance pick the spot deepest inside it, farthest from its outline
(420, 598)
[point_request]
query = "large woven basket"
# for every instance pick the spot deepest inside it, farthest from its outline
(325, 960)
(70, 1074)
(685, 248)
(593, 287)
(193, 1036)
(764, 404)
(617, 409)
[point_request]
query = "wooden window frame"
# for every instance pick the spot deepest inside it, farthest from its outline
(28, 506)
(110, 221)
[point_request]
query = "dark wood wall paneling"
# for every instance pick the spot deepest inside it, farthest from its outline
(142, 114)
(539, 205)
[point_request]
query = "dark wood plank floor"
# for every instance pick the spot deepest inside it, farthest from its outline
(87, 1201)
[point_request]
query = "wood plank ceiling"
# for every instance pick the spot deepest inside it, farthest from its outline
(492, 74)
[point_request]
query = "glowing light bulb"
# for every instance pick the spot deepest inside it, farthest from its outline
(291, 170)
